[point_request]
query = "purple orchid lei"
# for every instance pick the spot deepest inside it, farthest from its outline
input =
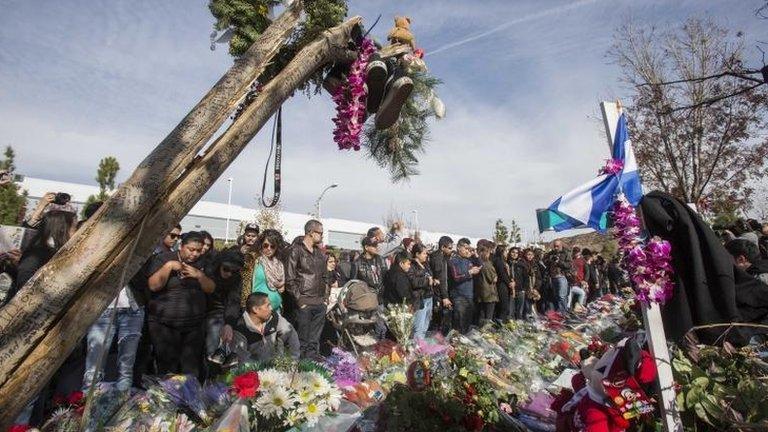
(649, 265)
(612, 166)
(350, 100)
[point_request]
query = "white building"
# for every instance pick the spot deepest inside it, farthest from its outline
(212, 216)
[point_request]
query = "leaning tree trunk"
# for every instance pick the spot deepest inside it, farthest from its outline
(27, 318)
(45, 357)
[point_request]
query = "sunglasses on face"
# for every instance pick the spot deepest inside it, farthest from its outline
(267, 246)
(173, 236)
(318, 232)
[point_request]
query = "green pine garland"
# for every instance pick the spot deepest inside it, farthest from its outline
(398, 147)
(248, 19)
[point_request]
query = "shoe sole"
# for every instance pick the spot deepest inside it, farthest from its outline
(376, 82)
(393, 103)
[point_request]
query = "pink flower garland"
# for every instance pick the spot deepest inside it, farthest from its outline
(350, 100)
(612, 166)
(648, 264)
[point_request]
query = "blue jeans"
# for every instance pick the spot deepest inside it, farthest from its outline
(579, 293)
(128, 326)
(522, 305)
(560, 288)
(421, 319)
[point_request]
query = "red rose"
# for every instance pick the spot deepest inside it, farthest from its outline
(19, 428)
(247, 384)
(75, 398)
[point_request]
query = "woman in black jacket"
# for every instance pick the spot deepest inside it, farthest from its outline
(422, 283)
(504, 285)
(397, 284)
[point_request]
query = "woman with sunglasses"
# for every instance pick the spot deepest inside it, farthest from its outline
(223, 304)
(267, 274)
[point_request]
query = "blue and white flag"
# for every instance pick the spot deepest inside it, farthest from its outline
(588, 204)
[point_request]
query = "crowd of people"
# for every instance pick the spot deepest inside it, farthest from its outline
(193, 309)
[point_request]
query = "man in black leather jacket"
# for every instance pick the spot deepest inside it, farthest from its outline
(305, 273)
(370, 266)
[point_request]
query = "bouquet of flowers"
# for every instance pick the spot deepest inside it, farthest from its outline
(400, 322)
(185, 392)
(279, 398)
(346, 371)
(150, 410)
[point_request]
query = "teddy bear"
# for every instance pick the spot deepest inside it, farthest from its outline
(401, 32)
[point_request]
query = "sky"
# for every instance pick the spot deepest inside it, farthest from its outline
(522, 79)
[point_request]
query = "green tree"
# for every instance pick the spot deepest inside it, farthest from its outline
(105, 176)
(8, 163)
(500, 232)
(12, 199)
(515, 234)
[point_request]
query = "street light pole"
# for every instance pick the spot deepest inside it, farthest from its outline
(320, 198)
(229, 210)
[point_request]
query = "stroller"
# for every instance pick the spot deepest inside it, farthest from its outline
(354, 313)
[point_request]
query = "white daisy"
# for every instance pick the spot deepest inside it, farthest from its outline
(319, 384)
(301, 381)
(332, 398)
(270, 378)
(274, 402)
(312, 412)
(304, 395)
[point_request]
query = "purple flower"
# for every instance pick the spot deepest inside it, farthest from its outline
(350, 100)
(648, 264)
(612, 166)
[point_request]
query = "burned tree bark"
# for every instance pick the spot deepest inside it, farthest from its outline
(184, 190)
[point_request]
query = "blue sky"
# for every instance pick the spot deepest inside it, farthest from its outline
(84, 79)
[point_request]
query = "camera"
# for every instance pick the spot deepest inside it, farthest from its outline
(62, 198)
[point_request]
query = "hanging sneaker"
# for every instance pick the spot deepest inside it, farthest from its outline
(397, 94)
(376, 82)
(218, 356)
(230, 361)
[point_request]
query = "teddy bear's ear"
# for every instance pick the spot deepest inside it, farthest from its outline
(408, 19)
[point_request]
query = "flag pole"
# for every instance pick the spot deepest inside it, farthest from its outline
(654, 327)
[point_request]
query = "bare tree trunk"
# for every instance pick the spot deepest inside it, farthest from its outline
(37, 368)
(27, 318)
